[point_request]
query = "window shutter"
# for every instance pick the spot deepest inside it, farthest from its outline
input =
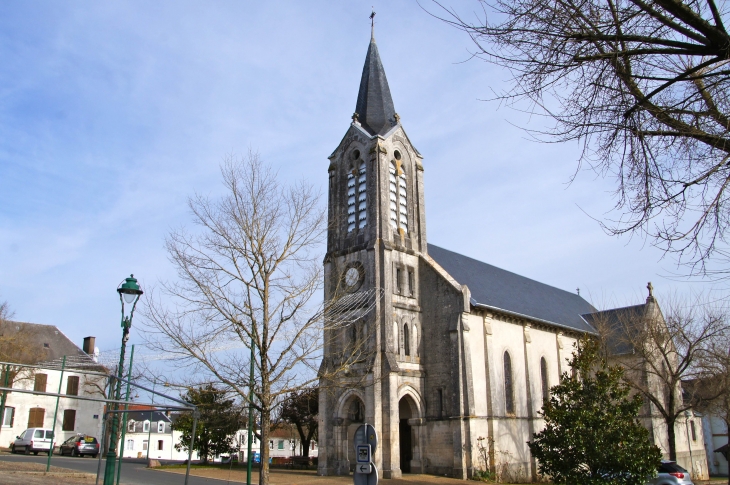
(40, 382)
(72, 386)
(69, 420)
(36, 417)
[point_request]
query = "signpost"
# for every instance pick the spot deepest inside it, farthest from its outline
(366, 442)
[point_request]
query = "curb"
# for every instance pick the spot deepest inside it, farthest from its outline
(49, 474)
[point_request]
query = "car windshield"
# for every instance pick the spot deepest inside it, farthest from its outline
(87, 439)
(671, 467)
(49, 434)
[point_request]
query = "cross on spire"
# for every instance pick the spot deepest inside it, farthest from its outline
(372, 24)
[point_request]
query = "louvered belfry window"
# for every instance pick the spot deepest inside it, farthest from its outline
(357, 198)
(398, 197)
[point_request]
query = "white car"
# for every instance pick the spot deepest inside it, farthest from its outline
(33, 440)
(669, 473)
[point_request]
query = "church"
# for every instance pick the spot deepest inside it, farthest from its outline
(462, 352)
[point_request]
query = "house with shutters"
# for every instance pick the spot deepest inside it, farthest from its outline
(149, 433)
(45, 346)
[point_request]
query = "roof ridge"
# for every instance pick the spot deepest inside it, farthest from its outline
(616, 309)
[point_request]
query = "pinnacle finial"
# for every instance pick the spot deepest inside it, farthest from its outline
(650, 287)
(372, 25)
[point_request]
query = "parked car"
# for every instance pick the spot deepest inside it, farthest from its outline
(33, 440)
(80, 445)
(669, 473)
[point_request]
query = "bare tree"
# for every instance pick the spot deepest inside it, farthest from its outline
(17, 346)
(660, 351)
(250, 276)
(642, 85)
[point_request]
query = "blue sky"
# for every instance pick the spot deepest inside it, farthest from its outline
(113, 113)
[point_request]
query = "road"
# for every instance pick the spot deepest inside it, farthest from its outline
(132, 473)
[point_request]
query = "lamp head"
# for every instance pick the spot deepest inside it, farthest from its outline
(130, 290)
(129, 293)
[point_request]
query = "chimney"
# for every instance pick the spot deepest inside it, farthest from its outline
(89, 345)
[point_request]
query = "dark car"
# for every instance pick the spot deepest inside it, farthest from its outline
(80, 445)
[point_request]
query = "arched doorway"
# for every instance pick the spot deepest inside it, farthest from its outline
(406, 410)
(355, 416)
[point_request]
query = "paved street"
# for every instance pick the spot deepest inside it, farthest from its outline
(132, 473)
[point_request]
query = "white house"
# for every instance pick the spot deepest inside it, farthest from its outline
(46, 346)
(149, 434)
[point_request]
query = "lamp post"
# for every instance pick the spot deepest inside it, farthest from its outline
(687, 415)
(129, 293)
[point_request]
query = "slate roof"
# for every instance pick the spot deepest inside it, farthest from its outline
(52, 343)
(145, 416)
(615, 321)
(496, 288)
(374, 103)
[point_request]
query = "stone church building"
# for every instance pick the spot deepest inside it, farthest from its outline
(463, 352)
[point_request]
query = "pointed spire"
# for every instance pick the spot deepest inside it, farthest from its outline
(374, 105)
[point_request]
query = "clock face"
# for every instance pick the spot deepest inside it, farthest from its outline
(352, 277)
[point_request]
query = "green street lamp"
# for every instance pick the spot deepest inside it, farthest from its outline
(129, 293)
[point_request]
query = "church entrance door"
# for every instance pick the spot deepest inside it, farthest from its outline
(406, 446)
(406, 411)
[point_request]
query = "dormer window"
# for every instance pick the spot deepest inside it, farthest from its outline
(357, 196)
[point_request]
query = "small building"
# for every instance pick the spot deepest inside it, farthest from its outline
(284, 441)
(149, 434)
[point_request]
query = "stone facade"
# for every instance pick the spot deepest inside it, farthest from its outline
(460, 354)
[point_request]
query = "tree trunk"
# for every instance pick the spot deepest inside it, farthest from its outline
(305, 447)
(265, 423)
(672, 439)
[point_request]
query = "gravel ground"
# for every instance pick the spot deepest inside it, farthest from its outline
(34, 474)
(305, 477)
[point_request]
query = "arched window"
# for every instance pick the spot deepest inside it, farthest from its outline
(357, 197)
(398, 196)
(406, 343)
(544, 380)
(396, 336)
(416, 343)
(353, 333)
(509, 399)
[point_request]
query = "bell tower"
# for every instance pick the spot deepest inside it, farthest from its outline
(376, 238)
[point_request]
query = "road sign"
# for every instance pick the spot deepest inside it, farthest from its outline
(363, 454)
(366, 435)
(365, 442)
(366, 478)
